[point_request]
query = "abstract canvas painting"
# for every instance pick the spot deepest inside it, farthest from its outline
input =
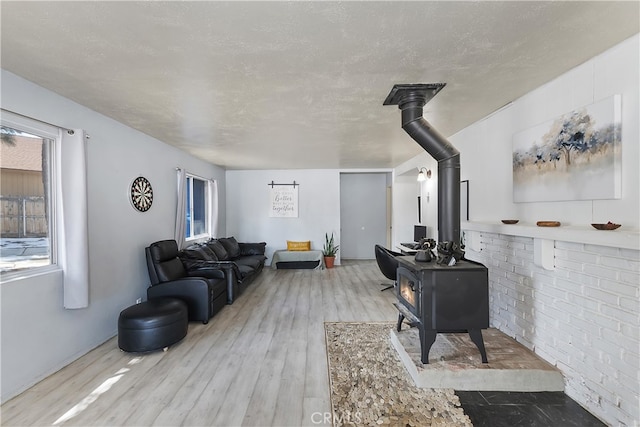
(577, 156)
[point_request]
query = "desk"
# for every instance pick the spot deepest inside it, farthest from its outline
(307, 257)
(406, 250)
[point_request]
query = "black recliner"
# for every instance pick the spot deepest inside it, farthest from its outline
(388, 264)
(205, 296)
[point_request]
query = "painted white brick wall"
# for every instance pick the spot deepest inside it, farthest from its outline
(583, 317)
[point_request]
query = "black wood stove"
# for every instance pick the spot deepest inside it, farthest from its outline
(437, 298)
(452, 294)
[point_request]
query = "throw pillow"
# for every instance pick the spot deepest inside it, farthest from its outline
(220, 251)
(298, 246)
(209, 252)
(231, 245)
(252, 248)
(200, 252)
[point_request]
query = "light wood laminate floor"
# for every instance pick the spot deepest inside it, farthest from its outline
(259, 362)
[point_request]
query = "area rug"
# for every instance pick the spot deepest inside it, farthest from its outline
(370, 386)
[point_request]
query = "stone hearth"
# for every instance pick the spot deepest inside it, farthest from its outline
(454, 362)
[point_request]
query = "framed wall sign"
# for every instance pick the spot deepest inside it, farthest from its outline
(283, 200)
(464, 200)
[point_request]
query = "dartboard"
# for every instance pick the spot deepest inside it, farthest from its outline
(141, 194)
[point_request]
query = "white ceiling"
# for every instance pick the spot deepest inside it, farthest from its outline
(287, 85)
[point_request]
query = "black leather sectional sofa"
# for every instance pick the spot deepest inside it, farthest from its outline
(241, 262)
(206, 276)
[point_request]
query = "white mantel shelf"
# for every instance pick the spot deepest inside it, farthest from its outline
(620, 238)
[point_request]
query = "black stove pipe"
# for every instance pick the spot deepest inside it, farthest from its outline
(410, 99)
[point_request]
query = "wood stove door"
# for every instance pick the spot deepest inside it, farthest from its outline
(408, 290)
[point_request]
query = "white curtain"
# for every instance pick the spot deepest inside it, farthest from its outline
(72, 229)
(181, 209)
(213, 207)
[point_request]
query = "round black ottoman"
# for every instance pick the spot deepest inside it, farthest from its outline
(152, 325)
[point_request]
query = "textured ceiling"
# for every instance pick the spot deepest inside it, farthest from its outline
(285, 85)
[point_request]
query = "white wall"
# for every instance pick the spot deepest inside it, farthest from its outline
(486, 146)
(405, 198)
(38, 335)
(248, 207)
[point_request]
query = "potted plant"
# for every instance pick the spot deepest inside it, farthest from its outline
(329, 251)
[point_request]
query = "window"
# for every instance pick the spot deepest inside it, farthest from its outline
(197, 213)
(26, 198)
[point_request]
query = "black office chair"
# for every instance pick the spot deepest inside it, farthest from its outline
(388, 264)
